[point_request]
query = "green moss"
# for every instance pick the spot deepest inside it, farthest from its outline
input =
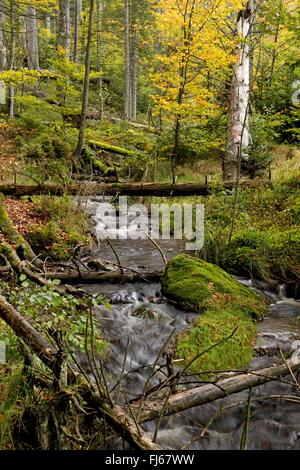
(212, 327)
(193, 283)
(15, 395)
(225, 306)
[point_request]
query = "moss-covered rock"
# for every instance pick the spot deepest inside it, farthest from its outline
(228, 311)
(193, 283)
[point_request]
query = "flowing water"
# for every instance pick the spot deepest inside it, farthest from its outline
(140, 322)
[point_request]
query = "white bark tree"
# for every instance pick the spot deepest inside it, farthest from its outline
(32, 39)
(238, 139)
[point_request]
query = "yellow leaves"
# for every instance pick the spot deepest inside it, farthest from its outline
(197, 41)
(15, 77)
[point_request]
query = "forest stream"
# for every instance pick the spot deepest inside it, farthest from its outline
(139, 323)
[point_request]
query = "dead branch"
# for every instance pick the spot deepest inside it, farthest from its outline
(207, 393)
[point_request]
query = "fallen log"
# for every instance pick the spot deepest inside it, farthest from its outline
(112, 148)
(207, 393)
(99, 276)
(22, 328)
(114, 414)
(127, 189)
(137, 125)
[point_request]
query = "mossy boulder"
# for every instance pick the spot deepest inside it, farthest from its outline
(194, 284)
(223, 336)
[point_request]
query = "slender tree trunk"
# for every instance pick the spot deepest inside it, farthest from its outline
(48, 23)
(127, 97)
(32, 39)
(85, 95)
(276, 37)
(64, 35)
(77, 28)
(238, 129)
(133, 74)
(100, 54)
(3, 48)
(12, 58)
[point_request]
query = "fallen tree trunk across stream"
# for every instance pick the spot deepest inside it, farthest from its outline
(100, 276)
(207, 393)
(125, 189)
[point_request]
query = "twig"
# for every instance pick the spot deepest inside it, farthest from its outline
(116, 255)
(206, 350)
(152, 372)
(244, 439)
(159, 249)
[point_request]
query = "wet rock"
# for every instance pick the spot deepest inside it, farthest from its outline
(194, 283)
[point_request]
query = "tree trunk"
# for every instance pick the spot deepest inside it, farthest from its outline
(99, 277)
(64, 35)
(100, 54)
(24, 330)
(238, 128)
(85, 95)
(32, 39)
(133, 75)
(77, 28)
(12, 58)
(127, 91)
(207, 393)
(129, 189)
(112, 148)
(3, 48)
(113, 414)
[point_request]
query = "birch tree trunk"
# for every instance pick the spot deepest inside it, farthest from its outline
(77, 28)
(238, 129)
(127, 98)
(32, 39)
(85, 94)
(64, 34)
(3, 48)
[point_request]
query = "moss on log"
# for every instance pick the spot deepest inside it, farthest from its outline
(112, 148)
(97, 164)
